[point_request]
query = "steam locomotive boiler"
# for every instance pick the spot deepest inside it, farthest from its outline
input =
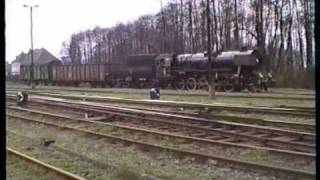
(233, 70)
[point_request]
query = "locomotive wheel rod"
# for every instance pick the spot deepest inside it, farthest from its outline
(232, 162)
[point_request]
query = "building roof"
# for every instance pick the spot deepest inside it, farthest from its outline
(19, 58)
(40, 57)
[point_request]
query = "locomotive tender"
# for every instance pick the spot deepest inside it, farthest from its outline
(232, 70)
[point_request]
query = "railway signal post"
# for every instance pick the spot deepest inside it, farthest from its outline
(31, 37)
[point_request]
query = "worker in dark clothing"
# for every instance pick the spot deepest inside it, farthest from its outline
(155, 90)
(22, 98)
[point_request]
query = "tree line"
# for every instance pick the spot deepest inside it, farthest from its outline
(282, 30)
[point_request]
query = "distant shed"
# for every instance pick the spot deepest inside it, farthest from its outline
(43, 61)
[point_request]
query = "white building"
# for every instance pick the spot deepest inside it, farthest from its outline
(15, 65)
(15, 68)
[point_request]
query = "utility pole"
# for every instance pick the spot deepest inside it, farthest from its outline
(212, 93)
(31, 37)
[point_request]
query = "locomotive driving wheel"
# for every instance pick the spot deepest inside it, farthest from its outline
(203, 84)
(180, 84)
(191, 83)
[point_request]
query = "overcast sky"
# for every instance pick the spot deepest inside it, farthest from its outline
(55, 20)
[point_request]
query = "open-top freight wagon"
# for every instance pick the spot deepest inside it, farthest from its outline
(95, 74)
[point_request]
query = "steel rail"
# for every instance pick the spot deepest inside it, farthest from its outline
(230, 118)
(104, 108)
(186, 117)
(239, 119)
(48, 167)
(206, 107)
(285, 109)
(258, 96)
(190, 118)
(232, 162)
(244, 137)
(303, 147)
(172, 135)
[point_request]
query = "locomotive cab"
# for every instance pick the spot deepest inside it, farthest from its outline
(163, 67)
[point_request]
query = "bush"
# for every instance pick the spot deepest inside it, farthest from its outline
(304, 79)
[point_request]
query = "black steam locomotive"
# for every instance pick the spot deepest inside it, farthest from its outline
(232, 70)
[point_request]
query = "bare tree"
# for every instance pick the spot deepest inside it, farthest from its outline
(282, 29)
(236, 30)
(308, 30)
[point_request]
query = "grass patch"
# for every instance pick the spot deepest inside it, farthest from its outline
(127, 173)
(18, 169)
(257, 155)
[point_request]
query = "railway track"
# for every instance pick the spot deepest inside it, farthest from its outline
(168, 134)
(143, 92)
(232, 162)
(307, 127)
(59, 172)
(214, 130)
(188, 105)
(93, 162)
